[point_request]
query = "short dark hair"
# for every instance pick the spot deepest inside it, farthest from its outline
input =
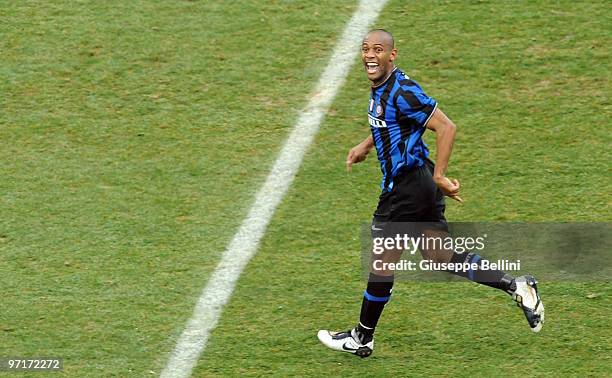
(386, 32)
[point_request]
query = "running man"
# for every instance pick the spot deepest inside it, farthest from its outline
(413, 190)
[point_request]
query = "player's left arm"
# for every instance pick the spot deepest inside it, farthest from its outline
(445, 131)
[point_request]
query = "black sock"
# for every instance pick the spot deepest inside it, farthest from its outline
(493, 278)
(375, 297)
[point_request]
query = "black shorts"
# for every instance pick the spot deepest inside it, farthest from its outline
(414, 198)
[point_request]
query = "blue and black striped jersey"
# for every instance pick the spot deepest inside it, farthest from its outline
(398, 113)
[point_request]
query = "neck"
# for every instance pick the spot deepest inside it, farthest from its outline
(382, 81)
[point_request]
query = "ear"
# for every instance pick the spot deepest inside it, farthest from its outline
(393, 55)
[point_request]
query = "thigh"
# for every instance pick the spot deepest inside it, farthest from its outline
(414, 197)
(435, 213)
(383, 230)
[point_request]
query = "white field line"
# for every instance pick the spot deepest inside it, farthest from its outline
(243, 246)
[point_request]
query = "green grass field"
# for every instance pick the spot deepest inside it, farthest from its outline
(136, 134)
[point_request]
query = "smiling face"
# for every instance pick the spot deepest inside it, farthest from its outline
(378, 54)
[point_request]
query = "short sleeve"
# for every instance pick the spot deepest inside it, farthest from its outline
(414, 105)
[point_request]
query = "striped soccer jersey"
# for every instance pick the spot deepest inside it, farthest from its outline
(397, 114)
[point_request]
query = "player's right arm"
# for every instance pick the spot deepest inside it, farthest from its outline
(359, 153)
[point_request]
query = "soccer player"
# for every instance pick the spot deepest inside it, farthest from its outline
(413, 190)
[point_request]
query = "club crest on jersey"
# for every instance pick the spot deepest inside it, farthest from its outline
(378, 110)
(375, 122)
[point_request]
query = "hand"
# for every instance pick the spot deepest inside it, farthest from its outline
(356, 155)
(449, 187)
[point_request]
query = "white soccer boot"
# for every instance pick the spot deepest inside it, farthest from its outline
(346, 342)
(527, 298)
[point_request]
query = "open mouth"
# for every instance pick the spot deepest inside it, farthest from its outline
(371, 67)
